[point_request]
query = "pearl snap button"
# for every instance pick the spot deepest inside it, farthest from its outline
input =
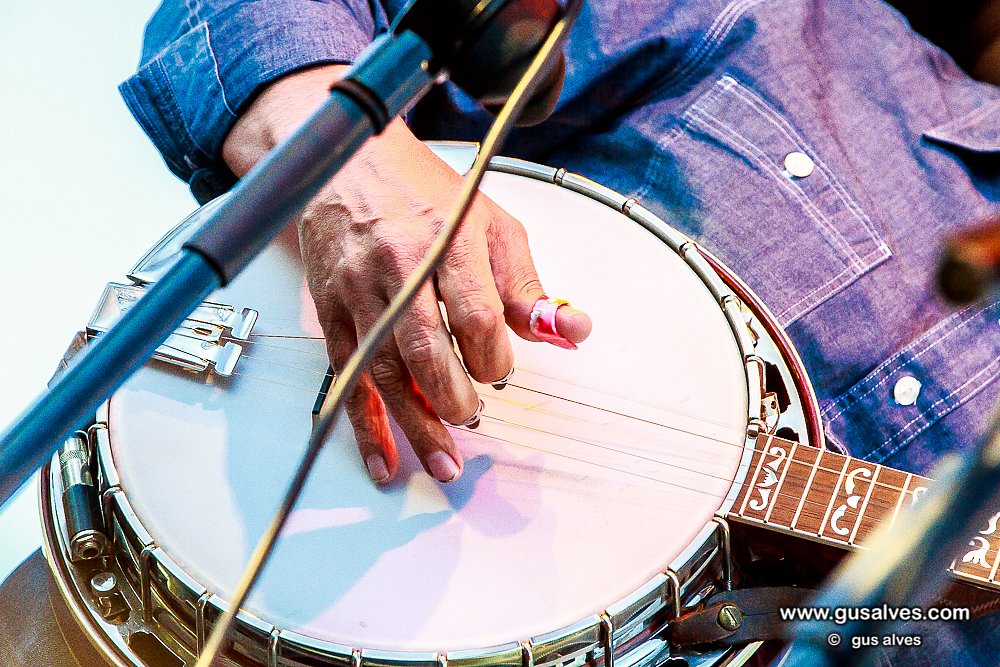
(906, 390)
(799, 164)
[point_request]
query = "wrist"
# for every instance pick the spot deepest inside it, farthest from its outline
(276, 112)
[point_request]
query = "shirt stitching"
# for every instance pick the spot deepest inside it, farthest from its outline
(717, 32)
(215, 70)
(756, 101)
(936, 417)
(948, 321)
(762, 160)
(171, 101)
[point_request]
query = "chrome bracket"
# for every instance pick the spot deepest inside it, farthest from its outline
(197, 344)
(146, 582)
(608, 639)
(725, 547)
(527, 654)
(273, 648)
(200, 631)
(675, 590)
(107, 497)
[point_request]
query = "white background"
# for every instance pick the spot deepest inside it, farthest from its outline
(82, 194)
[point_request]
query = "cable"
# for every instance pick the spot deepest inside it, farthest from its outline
(352, 370)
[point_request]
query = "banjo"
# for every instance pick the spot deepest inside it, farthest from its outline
(609, 493)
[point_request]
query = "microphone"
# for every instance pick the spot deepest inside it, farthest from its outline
(498, 40)
(970, 263)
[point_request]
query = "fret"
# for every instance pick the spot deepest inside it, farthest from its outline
(827, 497)
(883, 503)
(747, 490)
(781, 482)
(844, 512)
(864, 505)
(805, 487)
(899, 501)
(763, 493)
(833, 498)
(980, 559)
(820, 495)
(996, 561)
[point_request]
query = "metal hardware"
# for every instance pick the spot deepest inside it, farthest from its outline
(730, 617)
(107, 598)
(109, 514)
(273, 648)
(755, 428)
(527, 654)
(197, 344)
(608, 639)
(199, 622)
(675, 590)
(732, 307)
(146, 582)
(356, 657)
(725, 546)
(442, 660)
(81, 506)
(769, 411)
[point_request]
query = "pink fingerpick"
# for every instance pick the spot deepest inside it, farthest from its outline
(542, 322)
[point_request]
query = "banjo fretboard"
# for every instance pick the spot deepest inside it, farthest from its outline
(825, 496)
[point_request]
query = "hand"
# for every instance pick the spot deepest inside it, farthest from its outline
(361, 237)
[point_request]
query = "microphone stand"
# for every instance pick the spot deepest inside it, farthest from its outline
(389, 76)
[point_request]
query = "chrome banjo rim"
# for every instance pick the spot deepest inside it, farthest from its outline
(169, 604)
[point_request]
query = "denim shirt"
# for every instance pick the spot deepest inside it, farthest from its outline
(693, 107)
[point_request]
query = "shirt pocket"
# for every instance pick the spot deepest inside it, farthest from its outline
(737, 176)
(912, 390)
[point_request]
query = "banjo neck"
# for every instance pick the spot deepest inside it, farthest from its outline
(839, 500)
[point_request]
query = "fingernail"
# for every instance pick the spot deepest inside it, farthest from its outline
(576, 326)
(443, 468)
(502, 382)
(377, 469)
(473, 421)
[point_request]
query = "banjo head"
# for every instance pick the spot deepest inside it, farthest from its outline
(591, 475)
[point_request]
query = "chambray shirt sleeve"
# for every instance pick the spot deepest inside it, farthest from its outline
(204, 60)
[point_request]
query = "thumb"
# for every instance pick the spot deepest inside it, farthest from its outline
(521, 290)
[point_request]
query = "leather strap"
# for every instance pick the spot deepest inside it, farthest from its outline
(737, 617)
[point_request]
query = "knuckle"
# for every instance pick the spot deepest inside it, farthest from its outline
(480, 318)
(526, 283)
(351, 272)
(424, 350)
(388, 376)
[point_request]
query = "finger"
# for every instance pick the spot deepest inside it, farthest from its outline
(518, 284)
(475, 312)
(425, 346)
(364, 407)
(429, 438)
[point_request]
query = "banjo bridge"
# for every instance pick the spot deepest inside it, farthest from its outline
(198, 345)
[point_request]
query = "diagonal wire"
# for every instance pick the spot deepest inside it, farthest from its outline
(359, 360)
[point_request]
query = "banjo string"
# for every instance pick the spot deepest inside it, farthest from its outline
(727, 480)
(630, 454)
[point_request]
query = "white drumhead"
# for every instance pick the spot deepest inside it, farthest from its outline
(587, 476)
